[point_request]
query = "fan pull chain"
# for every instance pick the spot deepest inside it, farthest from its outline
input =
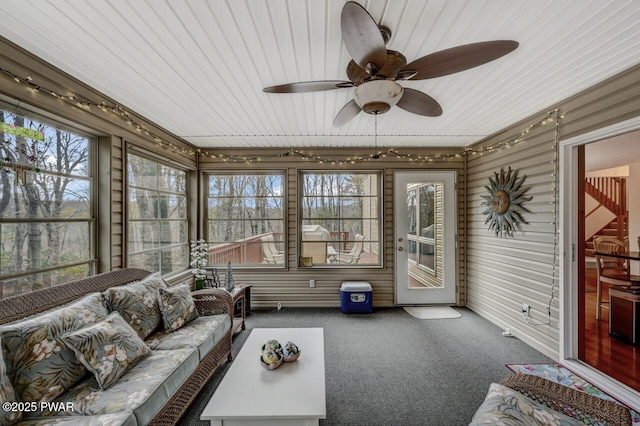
(375, 155)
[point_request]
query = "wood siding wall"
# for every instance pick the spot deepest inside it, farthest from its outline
(291, 285)
(504, 273)
(111, 129)
(500, 274)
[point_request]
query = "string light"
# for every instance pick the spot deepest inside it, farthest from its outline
(550, 117)
(556, 231)
(520, 137)
(86, 104)
(419, 158)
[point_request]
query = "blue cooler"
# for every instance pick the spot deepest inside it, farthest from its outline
(356, 296)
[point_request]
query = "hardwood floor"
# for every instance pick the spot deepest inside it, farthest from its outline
(610, 355)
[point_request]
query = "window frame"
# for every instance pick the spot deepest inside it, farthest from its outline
(165, 162)
(282, 262)
(59, 123)
(302, 264)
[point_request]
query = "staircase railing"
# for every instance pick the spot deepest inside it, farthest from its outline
(611, 192)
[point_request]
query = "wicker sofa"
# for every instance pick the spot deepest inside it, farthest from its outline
(527, 399)
(164, 366)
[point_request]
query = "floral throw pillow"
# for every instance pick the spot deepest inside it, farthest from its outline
(7, 417)
(176, 306)
(39, 366)
(505, 406)
(108, 349)
(137, 303)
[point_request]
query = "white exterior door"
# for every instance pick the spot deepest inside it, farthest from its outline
(424, 241)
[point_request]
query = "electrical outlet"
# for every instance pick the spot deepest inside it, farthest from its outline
(312, 283)
(526, 309)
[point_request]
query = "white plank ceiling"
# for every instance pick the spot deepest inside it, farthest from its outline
(197, 67)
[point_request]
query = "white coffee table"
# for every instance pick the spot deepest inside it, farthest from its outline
(293, 394)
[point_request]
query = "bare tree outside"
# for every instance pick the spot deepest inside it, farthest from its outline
(157, 216)
(45, 213)
(242, 210)
(246, 215)
(344, 206)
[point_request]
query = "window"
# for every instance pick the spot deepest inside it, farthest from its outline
(158, 237)
(421, 202)
(245, 219)
(46, 212)
(340, 219)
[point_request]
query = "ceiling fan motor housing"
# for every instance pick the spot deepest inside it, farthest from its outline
(378, 96)
(394, 62)
(374, 69)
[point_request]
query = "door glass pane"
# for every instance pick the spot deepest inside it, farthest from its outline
(427, 253)
(413, 251)
(412, 196)
(422, 220)
(427, 210)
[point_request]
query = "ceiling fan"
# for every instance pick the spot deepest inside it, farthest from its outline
(374, 70)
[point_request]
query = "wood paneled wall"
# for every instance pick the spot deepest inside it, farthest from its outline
(111, 130)
(118, 238)
(291, 285)
(495, 275)
(504, 273)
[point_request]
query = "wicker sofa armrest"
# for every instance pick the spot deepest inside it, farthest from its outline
(213, 301)
(24, 305)
(568, 401)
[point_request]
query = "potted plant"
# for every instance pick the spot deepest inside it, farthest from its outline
(199, 256)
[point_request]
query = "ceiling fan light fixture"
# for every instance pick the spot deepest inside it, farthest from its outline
(378, 96)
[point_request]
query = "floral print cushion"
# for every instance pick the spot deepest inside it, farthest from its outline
(7, 394)
(115, 419)
(137, 303)
(507, 407)
(204, 333)
(143, 389)
(108, 349)
(39, 366)
(176, 306)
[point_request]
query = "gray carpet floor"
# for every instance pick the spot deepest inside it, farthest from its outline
(389, 368)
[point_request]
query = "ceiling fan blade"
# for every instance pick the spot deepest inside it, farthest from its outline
(308, 86)
(459, 58)
(419, 103)
(406, 74)
(362, 36)
(348, 112)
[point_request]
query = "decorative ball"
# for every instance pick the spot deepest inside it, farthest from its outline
(271, 357)
(290, 352)
(289, 349)
(272, 344)
(270, 360)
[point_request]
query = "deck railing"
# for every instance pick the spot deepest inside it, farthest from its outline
(249, 251)
(245, 252)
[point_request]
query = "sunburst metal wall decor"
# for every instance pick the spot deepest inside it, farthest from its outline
(504, 202)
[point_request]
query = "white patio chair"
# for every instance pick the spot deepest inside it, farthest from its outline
(353, 255)
(271, 254)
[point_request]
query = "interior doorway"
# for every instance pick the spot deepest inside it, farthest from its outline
(425, 224)
(586, 346)
(611, 172)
